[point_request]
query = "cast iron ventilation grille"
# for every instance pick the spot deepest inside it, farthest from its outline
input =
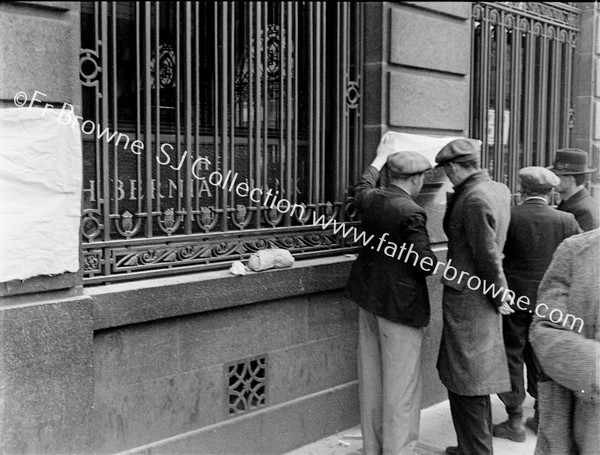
(247, 381)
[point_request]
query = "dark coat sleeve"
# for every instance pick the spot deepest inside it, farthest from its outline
(571, 226)
(367, 183)
(415, 232)
(586, 216)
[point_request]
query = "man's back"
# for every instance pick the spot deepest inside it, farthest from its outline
(568, 349)
(472, 358)
(391, 211)
(472, 361)
(381, 280)
(534, 233)
(476, 225)
(585, 209)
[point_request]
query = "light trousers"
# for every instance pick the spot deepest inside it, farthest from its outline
(389, 363)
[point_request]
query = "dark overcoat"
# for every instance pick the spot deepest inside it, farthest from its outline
(472, 359)
(534, 233)
(584, 207)
(381, 280)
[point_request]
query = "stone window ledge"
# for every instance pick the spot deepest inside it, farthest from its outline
(120, 304)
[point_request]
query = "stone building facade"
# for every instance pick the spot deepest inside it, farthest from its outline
(186, 357)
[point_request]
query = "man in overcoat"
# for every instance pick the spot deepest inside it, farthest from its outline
(565, 335)
(472, 360)
(535, 231)
(571, 167)
(387, 281)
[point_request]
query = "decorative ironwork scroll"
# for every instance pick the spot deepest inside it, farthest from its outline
(564, 14)
(182, 93)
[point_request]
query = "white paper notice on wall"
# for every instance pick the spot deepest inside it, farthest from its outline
(40, 192)
(428, 146)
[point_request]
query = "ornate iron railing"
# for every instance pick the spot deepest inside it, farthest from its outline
(522, 65)
(178, 97)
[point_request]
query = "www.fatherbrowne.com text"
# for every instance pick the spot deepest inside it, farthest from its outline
(473, 282)
(267, 199)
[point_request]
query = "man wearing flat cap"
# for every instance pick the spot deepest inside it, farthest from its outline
(571, 167)
(472, 360)
(534, 233)
(388, 284)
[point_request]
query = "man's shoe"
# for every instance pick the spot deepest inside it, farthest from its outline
(452, 451)
(512, 429)
(532, 424)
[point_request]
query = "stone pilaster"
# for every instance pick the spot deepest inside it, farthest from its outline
(586, 88)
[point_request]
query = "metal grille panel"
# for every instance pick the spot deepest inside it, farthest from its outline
(264, 95)
(247, 385)
(521, 101)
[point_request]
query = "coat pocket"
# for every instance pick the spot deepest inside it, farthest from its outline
(408, 303)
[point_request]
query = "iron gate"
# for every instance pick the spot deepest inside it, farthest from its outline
(182, 100)
(522, 65)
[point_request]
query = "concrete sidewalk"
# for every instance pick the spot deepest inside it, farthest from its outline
(436, 433)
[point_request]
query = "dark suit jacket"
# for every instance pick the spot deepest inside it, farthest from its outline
(535, 231)
(379, 282)
(584, 207)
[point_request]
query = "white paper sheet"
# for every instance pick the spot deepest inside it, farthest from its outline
(428, 146)
(40, 193)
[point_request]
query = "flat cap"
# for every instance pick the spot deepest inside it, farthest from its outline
(458, 151)
(538, 179)
(408, 163)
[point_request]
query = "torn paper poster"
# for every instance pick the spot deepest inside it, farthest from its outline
(40, 193)
(428, 146)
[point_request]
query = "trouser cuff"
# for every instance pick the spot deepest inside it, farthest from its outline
(515, 412)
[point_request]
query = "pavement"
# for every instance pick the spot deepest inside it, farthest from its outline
(436, 433)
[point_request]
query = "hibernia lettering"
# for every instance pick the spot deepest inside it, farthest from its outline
(243, 189)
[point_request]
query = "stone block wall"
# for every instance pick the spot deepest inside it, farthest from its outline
(586, 89)
(143, 366)
(417, 64)
(164, 385)
(39, 52)
(46, 374)
(46, 337)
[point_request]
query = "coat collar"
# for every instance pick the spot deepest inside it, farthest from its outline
(460, 189)
(535, 201)
(573, 200)
(396, 190)
(472, 180)
(581, 194)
